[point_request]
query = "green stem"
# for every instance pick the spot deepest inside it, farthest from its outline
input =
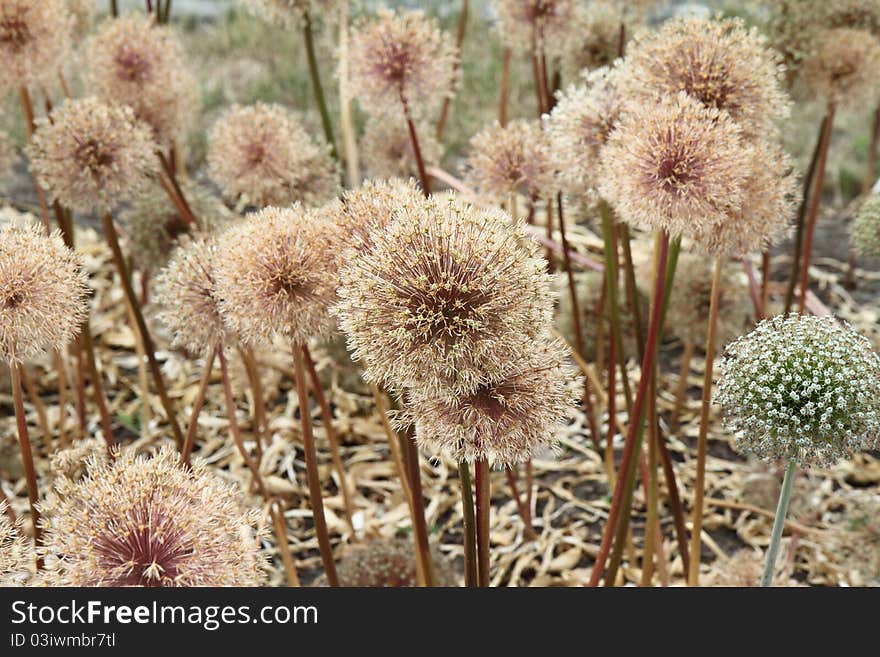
(469, 525)
(316, 83)
(778, 524)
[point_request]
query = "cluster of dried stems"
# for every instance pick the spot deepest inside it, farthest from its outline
(671, 137)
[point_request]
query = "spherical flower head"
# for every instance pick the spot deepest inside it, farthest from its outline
(675, 165)
(801, 388)
(386, 148)
(767, 210)
(720, 63)
(397, 57)
(443, 296)
(291, 14)
(595, 40)
(137, 521)
(187, 291)
(539, 25)
(509, 418)
(134, 61)
(15, 552)
(866, 228)
(262, 154)
(370, 208)
(92, 155)
(691, 297)
(35, 35)
(580, 124)
(83, 12)
(389, 563)
(512, 159)
(275, 275)
(154, 225)
(42, 293)
(844, 68)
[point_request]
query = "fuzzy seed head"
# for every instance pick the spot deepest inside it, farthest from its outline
(136, 62)
(35, 35)
(371, 208)
(844, 68)
(767, 210)
(187, 291)
(539, 25)
(386, 148)
(866, 228)
(721, 63)
(136, 521)
(506, 420)
(595, 40)
(275, 275)
(401, 55)
(389, 563)
(580, 124)
(801, 388)
(15, 552)
(511, 159)
(291, 14)
(261, 154)
(445, 295)
(675, 165)
(92, 155)
(42, 292)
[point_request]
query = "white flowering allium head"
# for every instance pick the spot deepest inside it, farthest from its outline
(802, 388)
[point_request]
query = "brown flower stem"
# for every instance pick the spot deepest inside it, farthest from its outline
(114, 9)
(149, 347)
(10, 512)
(459, 39)
(80, 387)
(631, 289)
(253, 376)
(332, 438)
(680, 390)
(393, 444)
(702, 437)
(349, 140)
(469, 528)
(548, 228)
(192, 429)
(317, 88)
(802, 209)
(149, 6)
(612, 413)
(681, 537)
(652, 524)
(813, 210)
(315, 494)
(624, 485)
(545, 80)
(521, 505)
(97, 385)
(530, 484)
(62, 398)
(37, 403)
(504, 95)
(27, 457)
(601, 317)
(280, 525)
(175, 193)
(850, 280)
(481, 478)
(765, 281)
(569, 273)
(417, 150)
(754, 289)
(28, 111)
(143, 375)
(234, 429)
(420, 528)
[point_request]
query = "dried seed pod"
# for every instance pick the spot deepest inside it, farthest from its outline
(35, 36)
(866, 228)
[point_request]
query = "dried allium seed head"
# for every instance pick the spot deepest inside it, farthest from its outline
(275, 275)
(291, 13)
(445, 295)
(371, 207)
(720, 63)
(675, 165)
(15, 552)
(581, 123)
(154, 225)
(261, 154)
(691, 297)
(92, 155)
(767, 209)
(803, 388)
(137, 521)
(398, 56)
(595, 40)
(42, 293)
(538, 25)
(187, 291)
(388, 563)
(83, 12)
(134, 61)
(844, 68)
(512, 159)
(34, 38)
(866, 228)
(517, 413)
(386, 148)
